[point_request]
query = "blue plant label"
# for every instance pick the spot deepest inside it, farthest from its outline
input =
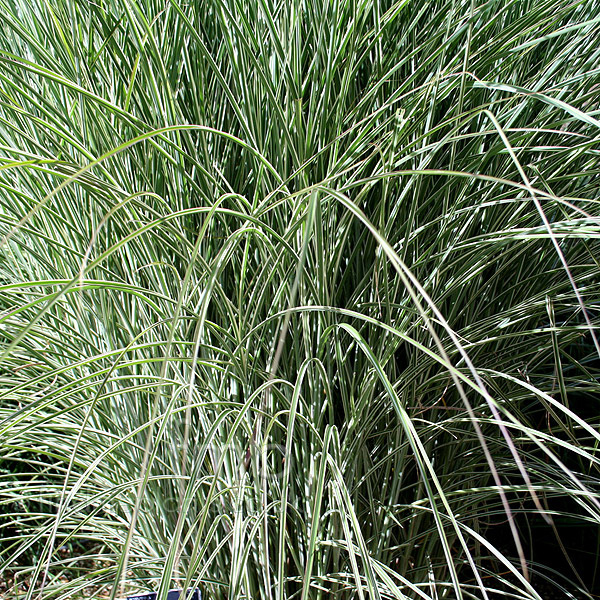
(172, 595)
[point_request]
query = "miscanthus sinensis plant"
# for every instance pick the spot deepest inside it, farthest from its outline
(298, 299)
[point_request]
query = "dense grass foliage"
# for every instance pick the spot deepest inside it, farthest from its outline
(298, 299)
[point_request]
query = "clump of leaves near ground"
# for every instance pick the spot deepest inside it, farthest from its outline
(299, 299)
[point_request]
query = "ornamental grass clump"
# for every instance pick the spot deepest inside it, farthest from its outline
(299, 300)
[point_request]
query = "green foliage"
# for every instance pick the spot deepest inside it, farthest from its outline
(297, 298)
